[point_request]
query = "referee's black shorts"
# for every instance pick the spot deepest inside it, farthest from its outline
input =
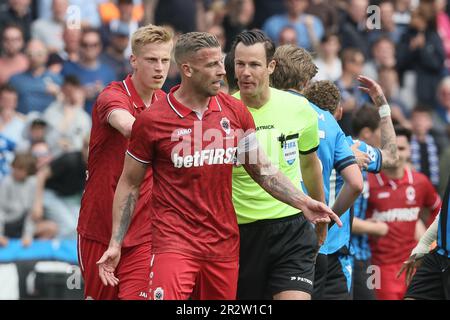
(432, 279)
(275, 256)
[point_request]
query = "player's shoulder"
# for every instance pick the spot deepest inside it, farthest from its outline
(229, 102)
(325, 116)
(419, 177)
(294, 104)
(113, 92)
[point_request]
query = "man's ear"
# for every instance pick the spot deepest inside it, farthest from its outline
(133, 61)
(338, 112)
(271, 66)
(186, 69)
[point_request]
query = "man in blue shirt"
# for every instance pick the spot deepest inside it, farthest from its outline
(309, 28)
(37, 88)
(90, 71)
(380, 132)
(295, 67)
(432, 279)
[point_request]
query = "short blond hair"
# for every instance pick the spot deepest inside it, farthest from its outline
(324, 94)
(149, 34)
(294, 67)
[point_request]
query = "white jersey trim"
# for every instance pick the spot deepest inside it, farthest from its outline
(136, 158)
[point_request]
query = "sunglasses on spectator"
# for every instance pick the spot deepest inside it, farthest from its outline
(12, 38)
(90, 45)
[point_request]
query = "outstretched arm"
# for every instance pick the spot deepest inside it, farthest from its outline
(125, 198)
(281, 188)
(388, 139)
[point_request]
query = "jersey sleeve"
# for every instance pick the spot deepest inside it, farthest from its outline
(107, 102)
(343, 155)
(375, 155)
(432, 200)
(308, 140)
(141, 143)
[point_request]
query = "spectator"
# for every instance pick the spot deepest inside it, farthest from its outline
(239, 16)
(6, 152)
(443, 28)
(41, 151)
(351, 97)
(59, 187)
(124, 22)
(309, 28)
(12, 60)
(264, 10)
(383, 55)
(114, 55)
(72, 39)
(92, 73)
(12, 123)
(50, 31)
(327, 12)
(90, 17)
(36, 131)
(388, 80)
(421, 50)
(16, 198)
(185, 22)
(388, 28)
(37, 87)
(441, 118)
(328, 61)
(109, 10)
(424, 149)
(352, 29)
(17, 13)
(402, 13)
(69, 122)
(219, 32)
(288, 35)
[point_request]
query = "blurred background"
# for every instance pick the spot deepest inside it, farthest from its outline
(57, 55)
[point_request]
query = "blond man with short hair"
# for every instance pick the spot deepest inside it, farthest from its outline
(112, 119)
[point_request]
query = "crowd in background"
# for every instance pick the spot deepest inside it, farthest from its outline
(58, 55)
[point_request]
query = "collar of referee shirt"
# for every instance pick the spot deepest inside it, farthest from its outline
(138, 103)
(182, 111)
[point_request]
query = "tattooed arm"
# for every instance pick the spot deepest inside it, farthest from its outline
(125, 198)
(388, 138)
(281, 188)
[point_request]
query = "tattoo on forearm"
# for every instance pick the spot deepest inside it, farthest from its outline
(127, 213)
(388, 143)
(276, 184)
(380, 100)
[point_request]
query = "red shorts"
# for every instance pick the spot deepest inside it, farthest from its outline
(179, 277)
(133, 271)
(391, 288)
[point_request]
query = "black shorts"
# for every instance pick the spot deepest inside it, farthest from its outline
(275, 256)
(333, 279)
(432, 279)
(361, 288)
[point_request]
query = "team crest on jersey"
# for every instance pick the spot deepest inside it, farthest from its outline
(158, 294)
(290, 151)
(225, 124)
(411, 194)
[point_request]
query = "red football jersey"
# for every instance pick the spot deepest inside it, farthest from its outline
(192, 161)
(107, 148)
(398, 203)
